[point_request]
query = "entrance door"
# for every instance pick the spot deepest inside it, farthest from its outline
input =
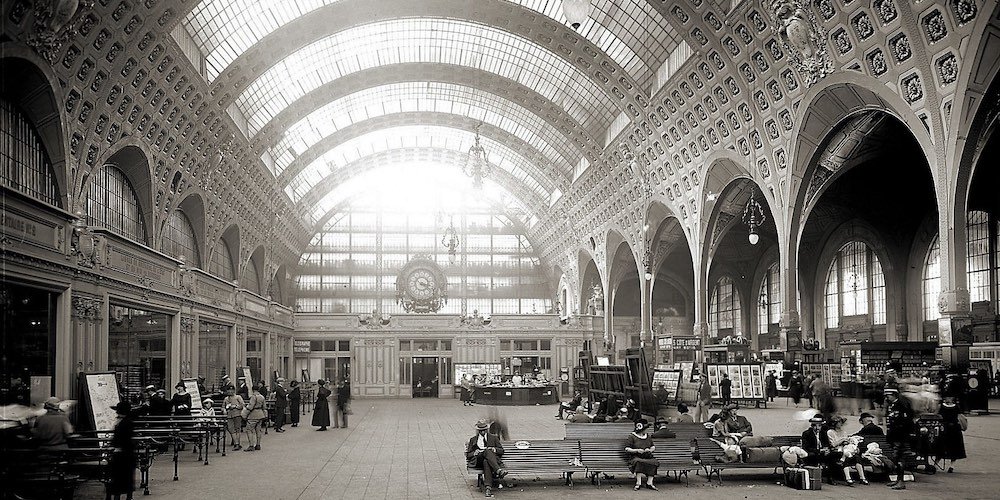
(425, 377)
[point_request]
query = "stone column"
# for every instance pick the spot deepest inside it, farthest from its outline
(954, 327)
(87, 314)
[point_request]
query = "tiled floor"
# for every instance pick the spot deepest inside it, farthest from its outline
(402, 449)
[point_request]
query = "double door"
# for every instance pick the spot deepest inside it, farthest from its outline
(425, 380)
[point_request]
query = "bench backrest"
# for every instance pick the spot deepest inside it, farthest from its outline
(615, 430)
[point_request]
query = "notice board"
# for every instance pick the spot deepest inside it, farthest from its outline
(100, 395)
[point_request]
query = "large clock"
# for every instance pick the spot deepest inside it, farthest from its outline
(421, 286)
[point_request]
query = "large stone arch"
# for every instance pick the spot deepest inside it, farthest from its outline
(34, 92)
(256, 260)
(133, 161)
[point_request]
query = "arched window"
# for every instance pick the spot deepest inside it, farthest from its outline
(931, 283)
(179, 239)
(978, 251)
(855, 285)
(724, 310)
(222, 262)
(251, 281)
(769, 300)
(24, 164)
(113, 204)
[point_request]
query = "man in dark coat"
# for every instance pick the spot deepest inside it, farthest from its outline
(343, 403)
(571, 405)
(280, 404)
(226, 384)
(159, 405)
(241, 388)
(121, 466)
(771, 386)
(726, 389)
(868, 426)
(816, 442)
(295, 402)
(899, 428)
(483, 452)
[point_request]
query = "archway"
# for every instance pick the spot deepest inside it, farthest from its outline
(625, 292)
(591, 286)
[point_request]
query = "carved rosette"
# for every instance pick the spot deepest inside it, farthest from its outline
(87, 308)
(803, 37)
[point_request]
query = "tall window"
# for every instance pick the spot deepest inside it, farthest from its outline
(222, 262)
(855, 285)
(978, 261)
(24, 164)
(113, 204)
(179, 239)
(931, 283)
(769, 300)
(982, 258)
(724, 310)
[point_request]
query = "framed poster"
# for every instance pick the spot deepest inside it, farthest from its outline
(687, 370)
(670, 379)
(713, 379)
(191, 384)
(734, 374)
(100, 395)
(757, 378)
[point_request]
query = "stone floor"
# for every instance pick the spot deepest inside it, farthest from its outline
(401, 449)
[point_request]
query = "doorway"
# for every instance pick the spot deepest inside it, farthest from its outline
(425, 377)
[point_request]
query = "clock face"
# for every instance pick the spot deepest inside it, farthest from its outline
(421, 284)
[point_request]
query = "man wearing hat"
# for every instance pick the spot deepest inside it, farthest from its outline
(280, 404)
(483, 452)
(771, 386)
(51, 429)
(816, 442)
(735, 425)
(868, 426)
(662, 429)
(159, 406)
(226, 384)
(899, 428)
(241, 388)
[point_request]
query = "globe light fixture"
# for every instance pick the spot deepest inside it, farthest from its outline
(576, 11)
(753, 217)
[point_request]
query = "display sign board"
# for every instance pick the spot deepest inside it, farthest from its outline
(686, 343)
(301, 347)
(100, 395)
(686, 368)
(248, 378)
(670, 379)
(747, 380)
(474, 369)
(191, 384)
(603, 361)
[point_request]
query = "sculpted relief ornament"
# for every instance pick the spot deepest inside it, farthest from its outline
(803, 37)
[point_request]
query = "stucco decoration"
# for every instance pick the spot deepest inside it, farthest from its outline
(803, 37)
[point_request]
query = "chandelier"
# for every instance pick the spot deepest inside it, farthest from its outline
(477, 166)
(450, 238)
(753, 217)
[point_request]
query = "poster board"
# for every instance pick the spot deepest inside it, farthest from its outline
(191, 384)
(747, 380)
(100, 395)
(671, 380)
(248, 378)
(687, 369)
(473, 369)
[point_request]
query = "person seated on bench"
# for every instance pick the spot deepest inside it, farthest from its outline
(683, 416)
(816, 443)
(621, 416)
(845, 449)
(601, 412)
(734, 425)
(571, 405)
(639, 449)
(483, 452)
(868, 426)
(580, 417)
(52, 429)
(181, 402)
(662, 431)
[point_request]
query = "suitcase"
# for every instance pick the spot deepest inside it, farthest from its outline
(804, 478)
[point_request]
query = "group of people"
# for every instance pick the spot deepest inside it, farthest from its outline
(321, 414)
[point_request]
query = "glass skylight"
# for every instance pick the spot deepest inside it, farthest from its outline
(414, 136)
(421, 97)
(427, 40)
(418, 186)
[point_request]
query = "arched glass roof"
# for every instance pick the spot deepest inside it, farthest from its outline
(427, 40)
(413, 136)
(421, 184)
(630, 31)
(422, 97)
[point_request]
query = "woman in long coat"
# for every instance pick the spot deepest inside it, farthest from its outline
(639, 449)
(121, 466)
(951, 442)
(295, 402)
(795, 388)
(321, 415)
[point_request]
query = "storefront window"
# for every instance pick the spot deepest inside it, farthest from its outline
(137, 349)
(213, 353)
(28, 342)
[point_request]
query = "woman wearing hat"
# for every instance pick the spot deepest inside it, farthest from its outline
(52, 429)
(483, 451)
(181, 402)
(121, 466)
(294, 402)
(321, 415)
(639, 448)
(951, 442)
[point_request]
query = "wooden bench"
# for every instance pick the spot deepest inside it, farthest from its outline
(615, 431)
(146, 449)
(542, 457)
(708, 449)
(50, 472)
(608, 457)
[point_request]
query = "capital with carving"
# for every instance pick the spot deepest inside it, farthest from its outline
(87, 308)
